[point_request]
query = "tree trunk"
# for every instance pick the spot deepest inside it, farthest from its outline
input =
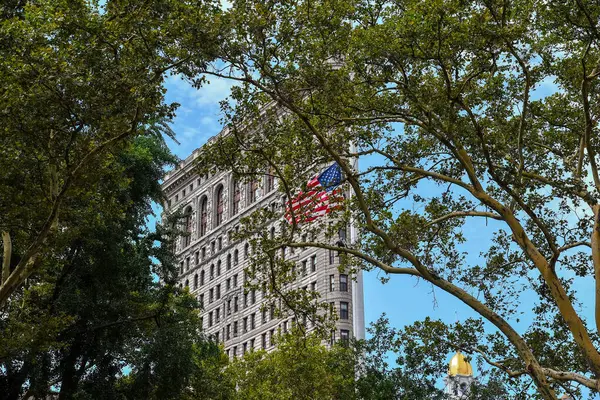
(70, 377)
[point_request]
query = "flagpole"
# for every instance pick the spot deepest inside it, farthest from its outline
(358, 300)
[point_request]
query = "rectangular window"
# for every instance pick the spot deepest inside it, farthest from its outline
(342, 234)
(235, 280)
(210, 295)
(331, 257)
(201, 300)
(218, 291)
(264, 316)
(228, 330)
(197, 258)
(228, 283)
(217, 337)
(191, 187)
(253, 293)
(212, 247)
(245, 325)
(235, 304)
(304, 267)
(313, 263)
(210, 319)
(252, 191)
(343, 283)
(229, 307)
(332, 339)
(234, 351)
(345, 336)
(251, 344)
(244, 348)
(272, 312)
(331, 283)
(331, 307)
(245, 300)
(252, 321)
(217, 315)
(270, 180)
(272, 337)
(285, 326)
(343, 310)
(220, 242)
(203, 253)
(264, 341)
(313, 286)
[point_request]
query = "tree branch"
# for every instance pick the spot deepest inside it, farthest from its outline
(6, 242)
(461, 214)
(26, 265)
(385, 267)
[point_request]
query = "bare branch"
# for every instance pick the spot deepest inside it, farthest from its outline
(572, 376)
(462, 214)
(385, 267)
(574, 244)
(6, 242)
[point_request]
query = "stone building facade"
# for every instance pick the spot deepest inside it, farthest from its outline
(213, 267)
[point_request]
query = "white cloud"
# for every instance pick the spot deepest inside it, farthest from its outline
(212, 92)
(209, 95)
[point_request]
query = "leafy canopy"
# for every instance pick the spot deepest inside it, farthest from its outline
(460, 112)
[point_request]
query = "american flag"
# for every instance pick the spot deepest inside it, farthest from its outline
(322, 197)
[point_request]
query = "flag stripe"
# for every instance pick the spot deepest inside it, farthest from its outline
(322, 197)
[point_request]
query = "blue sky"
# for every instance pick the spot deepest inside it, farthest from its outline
(404, 299)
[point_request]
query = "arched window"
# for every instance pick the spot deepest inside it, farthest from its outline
(272, 232)
(235, 257)
(187, 226)
(203, 215)
(228, 262)
(212, 271)
(246, 251)
(196, 281)
(237, 196)
(219, 268)
(187, 283)
(220, 206)
(201, 277)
